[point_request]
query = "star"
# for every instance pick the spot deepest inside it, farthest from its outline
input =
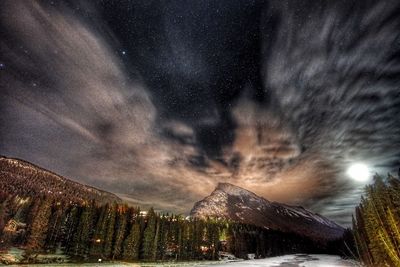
(192, 95)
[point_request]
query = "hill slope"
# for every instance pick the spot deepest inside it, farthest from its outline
(18, 177)
(235, 203)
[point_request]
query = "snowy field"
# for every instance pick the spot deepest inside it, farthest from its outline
(298, 260)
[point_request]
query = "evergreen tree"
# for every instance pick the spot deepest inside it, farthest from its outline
(122, 221)
(132, 243)
(149, 236)
(100, 231)
(109, 238)
(376, 228)
(4, 215)
(68, 228)
(53, 235)
(163, 238)
(37, 238)
(156, 239)
(82, 238)
(394, 228)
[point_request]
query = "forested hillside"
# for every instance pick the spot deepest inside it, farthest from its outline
(22, 178)
(377, 223)
(118, 232)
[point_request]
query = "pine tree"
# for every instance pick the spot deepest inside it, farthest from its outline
(198, 230)
(100, 229)
(394, 192)
(156, 239)
(109, 238)
(361, 238)
(4, 215)
(394, 233)
(122, 219)
(163, 237)
(38, 232)
(68, 228)
(149, 236)
(53, 236)
(83, 235)
(132, 243)
(376, 228)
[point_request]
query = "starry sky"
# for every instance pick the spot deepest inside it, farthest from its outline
(158, 101)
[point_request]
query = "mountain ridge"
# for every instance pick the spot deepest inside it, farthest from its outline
(24, 178)
(238, 204)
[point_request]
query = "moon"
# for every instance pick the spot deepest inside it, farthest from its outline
(359, 172)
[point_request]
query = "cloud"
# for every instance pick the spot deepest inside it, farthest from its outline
(335, 87)
(72, 103)
(78, 107)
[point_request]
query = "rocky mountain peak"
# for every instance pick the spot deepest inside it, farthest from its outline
(238, 204)
(233, 190)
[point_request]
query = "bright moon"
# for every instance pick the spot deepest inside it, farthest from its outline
(359, 172)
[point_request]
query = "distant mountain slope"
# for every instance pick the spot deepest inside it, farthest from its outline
(25, 179)
(235, 203)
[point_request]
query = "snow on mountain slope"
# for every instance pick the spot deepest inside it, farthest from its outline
(19, 177)
(237, 204)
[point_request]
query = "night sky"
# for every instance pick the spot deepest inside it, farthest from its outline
(158, 101)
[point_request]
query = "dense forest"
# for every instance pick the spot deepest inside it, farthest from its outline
(43, 214)
(377, 223)
(117, 232)
(18, 177)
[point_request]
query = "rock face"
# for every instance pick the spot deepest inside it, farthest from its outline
(18, 177)
(235, 203)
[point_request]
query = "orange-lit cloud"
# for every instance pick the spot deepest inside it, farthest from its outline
(71, 104)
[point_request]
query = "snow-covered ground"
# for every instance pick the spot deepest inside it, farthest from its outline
(297, 260)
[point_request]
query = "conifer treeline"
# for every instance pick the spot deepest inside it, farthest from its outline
(118, 232)
(377, 223)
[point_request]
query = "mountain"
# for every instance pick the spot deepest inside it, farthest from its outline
(18, 177)
(235, 203)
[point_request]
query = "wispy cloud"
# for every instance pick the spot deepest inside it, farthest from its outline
(71, 104)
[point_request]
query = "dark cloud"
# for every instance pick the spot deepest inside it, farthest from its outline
(159, 101)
